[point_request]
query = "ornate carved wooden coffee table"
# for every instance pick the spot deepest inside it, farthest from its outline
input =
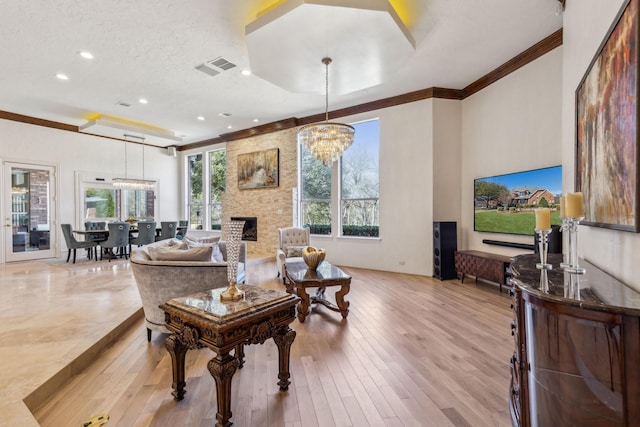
(301, 278)
(202, 320)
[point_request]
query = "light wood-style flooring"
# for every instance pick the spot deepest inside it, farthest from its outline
(414, 351)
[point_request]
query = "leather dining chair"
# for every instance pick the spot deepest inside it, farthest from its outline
(167, 230)
(73, 244)
(118, 238)
(146, 234)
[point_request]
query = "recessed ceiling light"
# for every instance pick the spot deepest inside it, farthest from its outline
(200, 118)
(246, 72)
(143, 101)
(256, 120)
(229, 127)
(85, 54)
(62, 76)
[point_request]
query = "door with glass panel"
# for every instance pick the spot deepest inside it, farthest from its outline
(29, 222)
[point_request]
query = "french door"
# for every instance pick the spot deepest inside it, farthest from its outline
(29, 222)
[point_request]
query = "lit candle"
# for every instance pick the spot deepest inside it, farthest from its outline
(543, 219)
(562, 208)
(573, 206)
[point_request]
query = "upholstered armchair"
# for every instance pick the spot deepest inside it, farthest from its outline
(291, 240)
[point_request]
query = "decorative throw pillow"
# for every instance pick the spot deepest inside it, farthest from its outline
(197, 241)
(173, 243)
(170, 254)
(217, 254)
(294, 251)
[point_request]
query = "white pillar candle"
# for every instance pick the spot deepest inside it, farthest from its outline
(543, 219)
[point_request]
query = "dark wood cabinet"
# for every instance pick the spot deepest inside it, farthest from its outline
(483, 265)
(577, 347)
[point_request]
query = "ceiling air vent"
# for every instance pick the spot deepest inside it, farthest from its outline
(215, 66)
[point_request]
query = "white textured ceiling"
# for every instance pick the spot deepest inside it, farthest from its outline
(149, 49)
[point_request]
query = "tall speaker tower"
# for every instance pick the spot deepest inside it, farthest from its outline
(445, 244)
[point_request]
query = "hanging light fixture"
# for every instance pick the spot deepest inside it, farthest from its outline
(130, 183)
(326, 141)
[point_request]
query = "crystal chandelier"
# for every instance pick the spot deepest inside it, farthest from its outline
(326, 141)
(130, 183)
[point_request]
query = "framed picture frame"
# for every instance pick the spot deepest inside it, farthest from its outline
(607, 130)
(259, 169)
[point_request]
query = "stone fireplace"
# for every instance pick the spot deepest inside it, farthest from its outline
(250, 229)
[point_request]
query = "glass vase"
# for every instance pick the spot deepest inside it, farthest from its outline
(232, 236)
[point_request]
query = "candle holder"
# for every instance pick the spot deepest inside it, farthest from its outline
(573, 267)
(564, 228)
(544, 280)
(543, 248)
(572, 286)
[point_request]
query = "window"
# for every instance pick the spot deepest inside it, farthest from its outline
(315, 203)
(195, 202)
(217, 182)
(110, 204)
(359, 182)
(359, 187)
(101, 203)
(138, 204)
(205, 186)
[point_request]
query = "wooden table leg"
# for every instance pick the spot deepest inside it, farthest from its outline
(222, 367)
(284, 338)
(303, 305)
(239, 354)
(177, 350)
(342, 304)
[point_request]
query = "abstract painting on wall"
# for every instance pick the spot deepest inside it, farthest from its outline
(258, 169)
(607, 132)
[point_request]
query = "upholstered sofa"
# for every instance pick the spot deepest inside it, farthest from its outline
(290, 242)
(159, 281)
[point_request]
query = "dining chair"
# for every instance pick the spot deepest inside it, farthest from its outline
(95, 225)
(146, 234)
(118, 238)
(73, 244)
(183, 226)
(167, 230)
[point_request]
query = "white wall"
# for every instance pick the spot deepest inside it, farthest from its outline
(406, 196)
(74, 152)
(586, 23)
(513, 125)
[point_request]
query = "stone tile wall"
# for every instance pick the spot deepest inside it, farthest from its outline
(273, 207)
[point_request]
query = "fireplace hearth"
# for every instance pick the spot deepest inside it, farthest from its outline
(250, 229)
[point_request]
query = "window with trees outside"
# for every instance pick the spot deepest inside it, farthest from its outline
(218, 174)
(359, 187)
(206, 182)
(195, 202)
(110, 204)
(359, 183)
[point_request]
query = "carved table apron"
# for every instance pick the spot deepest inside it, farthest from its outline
(301, 278)
(201, 320)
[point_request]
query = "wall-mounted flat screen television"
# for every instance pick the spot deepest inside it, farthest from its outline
(506, 203)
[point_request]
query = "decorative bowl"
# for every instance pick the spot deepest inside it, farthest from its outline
(313, 257)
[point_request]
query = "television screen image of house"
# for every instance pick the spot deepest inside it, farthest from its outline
(507, 203)
(258, 169)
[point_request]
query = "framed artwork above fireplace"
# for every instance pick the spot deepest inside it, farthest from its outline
(259, 169)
